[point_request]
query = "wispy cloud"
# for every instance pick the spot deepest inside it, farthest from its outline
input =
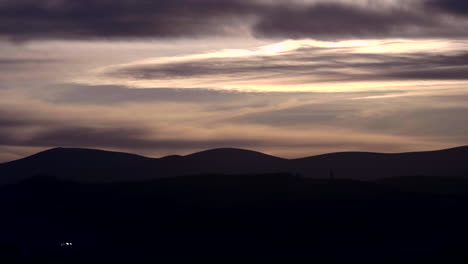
(302, 65)
(284, 124)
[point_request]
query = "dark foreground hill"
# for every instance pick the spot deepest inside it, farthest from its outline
(97, 165)
(267, 218)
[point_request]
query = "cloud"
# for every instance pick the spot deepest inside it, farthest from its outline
(300, 116)
(450, 73)
(130, 19)
(69, 19)
(114, 94)
(418, 117)
(13, 61)
(141, 139)
(29, 129)
(458, 7)
(116, 138)
(16, 64)
(162, 128)
(340, 21)
(128, 139)
(306, 65)
(211, 99)
(281, 142)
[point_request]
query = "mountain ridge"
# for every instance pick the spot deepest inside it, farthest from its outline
(59, 149)
(102, 165)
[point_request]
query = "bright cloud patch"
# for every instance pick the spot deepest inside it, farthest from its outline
(304, 65)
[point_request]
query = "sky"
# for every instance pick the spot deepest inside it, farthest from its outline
(290, 78)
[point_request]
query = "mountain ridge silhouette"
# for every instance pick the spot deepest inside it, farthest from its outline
(84, 164)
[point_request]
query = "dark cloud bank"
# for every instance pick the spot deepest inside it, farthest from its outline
(88, 19)
(459, 7)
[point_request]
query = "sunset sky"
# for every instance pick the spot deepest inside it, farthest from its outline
(290, 78)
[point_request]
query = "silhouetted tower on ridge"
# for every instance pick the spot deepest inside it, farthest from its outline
(331, 175)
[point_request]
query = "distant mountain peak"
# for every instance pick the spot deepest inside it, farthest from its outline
(230, 152)
(66, 150)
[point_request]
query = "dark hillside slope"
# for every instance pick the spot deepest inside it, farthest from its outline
(268, 218)
(80, 164)
(364, 165)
